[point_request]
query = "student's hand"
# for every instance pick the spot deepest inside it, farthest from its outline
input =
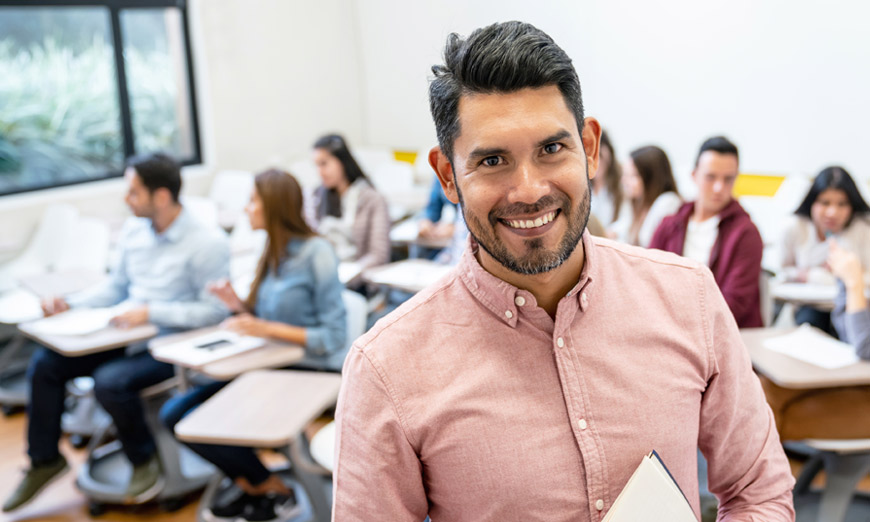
(442, 231)
(247, 324)
(131, 318)
(845, 265)
(223, 290)
(425, 228)
(53, 305)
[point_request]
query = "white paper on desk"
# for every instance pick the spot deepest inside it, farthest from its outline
(805, 292)
(348, 271)
(813, 346)
(208, 348)
(81, 321)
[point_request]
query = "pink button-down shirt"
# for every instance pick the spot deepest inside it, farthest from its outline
(470, 403)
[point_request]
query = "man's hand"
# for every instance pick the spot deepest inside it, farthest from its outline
(223, 290)
(247, 324)
(53, 305)
(131, 318)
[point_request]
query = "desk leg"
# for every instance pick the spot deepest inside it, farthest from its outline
(843, 472)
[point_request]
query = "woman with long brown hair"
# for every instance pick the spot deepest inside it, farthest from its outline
(295, 297)
(652, 194)
(607, 193)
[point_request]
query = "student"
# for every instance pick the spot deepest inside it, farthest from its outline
(652, 194)
(715, 230)
(529, 383)
(166, 258)
(295, 297)
(833, 207)
(349, 212)
(607, 192)
(430, 226)
(831, 413)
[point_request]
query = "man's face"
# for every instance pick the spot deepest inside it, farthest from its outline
(138, 198)
(521, 175)
(715, 176)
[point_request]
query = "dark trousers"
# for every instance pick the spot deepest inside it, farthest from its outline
(815, 317)
(234, 461)
(118, 380)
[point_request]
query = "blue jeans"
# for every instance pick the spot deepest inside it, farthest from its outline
(234, 461)
(118, 379)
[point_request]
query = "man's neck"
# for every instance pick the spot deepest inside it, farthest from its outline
(164, 219)
(700, 215)
(548, 287)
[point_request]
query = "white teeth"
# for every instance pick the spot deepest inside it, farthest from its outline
(528, 223)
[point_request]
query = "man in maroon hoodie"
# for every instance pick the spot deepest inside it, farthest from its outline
(716, 231)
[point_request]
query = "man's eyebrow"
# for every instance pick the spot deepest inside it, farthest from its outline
(561, 135)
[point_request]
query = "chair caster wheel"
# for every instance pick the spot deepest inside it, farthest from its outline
(95, 509)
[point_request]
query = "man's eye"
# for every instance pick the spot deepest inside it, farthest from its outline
(552, 148)
(491, 161)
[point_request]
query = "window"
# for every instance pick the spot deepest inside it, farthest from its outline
(83, 85)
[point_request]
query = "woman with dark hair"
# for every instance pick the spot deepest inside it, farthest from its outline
(607, 193)
(295, 297)
(651, 192)
(833, 207)
(349, 212)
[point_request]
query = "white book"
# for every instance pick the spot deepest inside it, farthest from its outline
(652, 495)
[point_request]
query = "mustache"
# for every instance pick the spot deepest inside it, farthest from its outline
(520, 209)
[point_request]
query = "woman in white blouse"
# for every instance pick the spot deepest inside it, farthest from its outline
(833, 208)
(651, 193)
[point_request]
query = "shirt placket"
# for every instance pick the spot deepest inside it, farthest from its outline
(573, 391)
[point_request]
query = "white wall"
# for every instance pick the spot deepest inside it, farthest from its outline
(787, 81)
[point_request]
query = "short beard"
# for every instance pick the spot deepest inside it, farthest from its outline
(537, 260)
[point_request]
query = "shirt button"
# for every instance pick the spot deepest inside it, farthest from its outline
(560, 342)
(520, 300)
(582, 424)
(599, 504)
(508, 314)
(584, 300)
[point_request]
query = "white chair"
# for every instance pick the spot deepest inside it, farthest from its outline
(230, 192)
(45, 247)
(202, 209)
(371, 158)
(86, 247)
(357, 314)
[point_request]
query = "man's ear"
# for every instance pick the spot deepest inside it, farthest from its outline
(161, 198)
(591, 140)
(442, 167)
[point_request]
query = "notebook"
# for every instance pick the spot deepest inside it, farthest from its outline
(207, 348)
(651, 494)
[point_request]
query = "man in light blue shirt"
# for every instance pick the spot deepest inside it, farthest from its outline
(166, 259)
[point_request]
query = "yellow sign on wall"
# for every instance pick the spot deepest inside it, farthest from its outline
(757, 185)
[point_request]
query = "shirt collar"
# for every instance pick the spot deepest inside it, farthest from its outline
(503, 299)
(175, 232)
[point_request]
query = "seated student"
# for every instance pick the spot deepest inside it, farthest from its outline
(832, 207)
(430, 226)
(166, 259)
(607, 192)
(348, 211)
(831, 413)
(716, 231)
(651, 192)
(295, 297)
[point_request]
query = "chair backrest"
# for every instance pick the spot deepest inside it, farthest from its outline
(202, 209)
(230, 191)
(87, 246)
(357, 314)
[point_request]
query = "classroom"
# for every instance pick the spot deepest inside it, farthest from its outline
(274, 260)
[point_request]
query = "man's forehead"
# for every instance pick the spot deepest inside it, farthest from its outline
(490, 119)
(718, 162)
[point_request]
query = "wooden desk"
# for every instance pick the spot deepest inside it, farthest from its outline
(100, 341)
(278, 404)
(410, 275)
(273, 354)
(789, 372)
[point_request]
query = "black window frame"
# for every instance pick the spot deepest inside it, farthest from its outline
(115, 7)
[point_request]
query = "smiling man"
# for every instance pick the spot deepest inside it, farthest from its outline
(716, 231)
(529, 383)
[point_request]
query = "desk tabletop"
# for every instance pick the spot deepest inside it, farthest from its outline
(100, 341)
(789, 372)
(273, 354)
(819, 296)
(410, 275)
(408, 233)
(278, 404)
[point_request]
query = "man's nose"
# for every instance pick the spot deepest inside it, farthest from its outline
(529, 184)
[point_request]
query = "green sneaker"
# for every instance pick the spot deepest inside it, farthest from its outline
(35, 480)
(146, 482)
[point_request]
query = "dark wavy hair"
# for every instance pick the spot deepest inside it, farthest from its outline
(500, 58)
(157, 171)
(329, 199)
(836, 178)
